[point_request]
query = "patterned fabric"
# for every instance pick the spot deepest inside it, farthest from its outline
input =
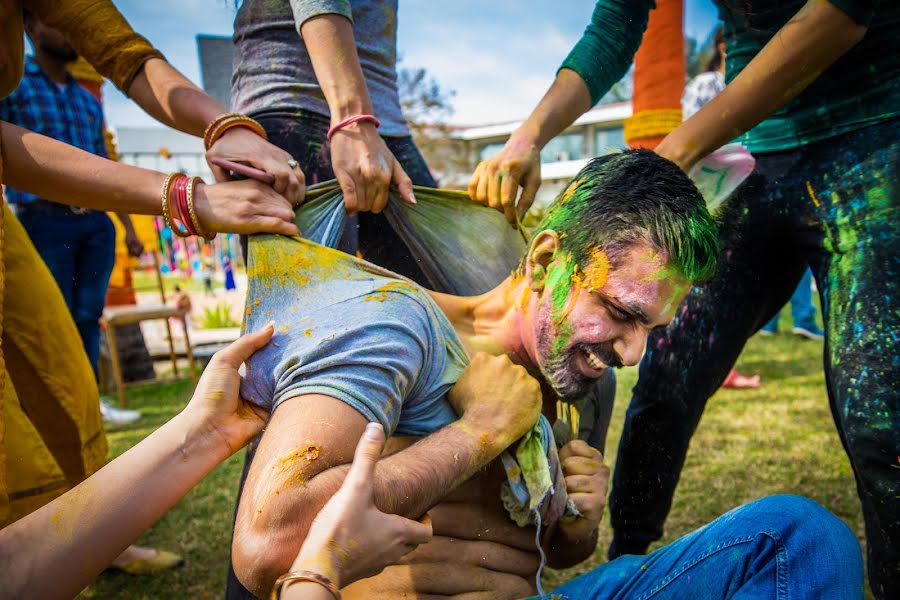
(700, 90)
(67, 113)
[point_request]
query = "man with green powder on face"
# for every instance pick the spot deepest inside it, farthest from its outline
(813, 91)
(355, 343)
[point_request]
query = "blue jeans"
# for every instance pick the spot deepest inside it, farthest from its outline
(803, 313)
(80, 251)
(776, 547)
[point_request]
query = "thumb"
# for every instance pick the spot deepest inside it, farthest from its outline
(403, 183)
(243, 348)
(368, 450)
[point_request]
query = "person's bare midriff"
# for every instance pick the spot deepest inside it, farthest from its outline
(476, 549)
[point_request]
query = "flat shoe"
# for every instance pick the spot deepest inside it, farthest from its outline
(159, 562)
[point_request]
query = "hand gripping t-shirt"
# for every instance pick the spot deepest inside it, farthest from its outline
(348, 329)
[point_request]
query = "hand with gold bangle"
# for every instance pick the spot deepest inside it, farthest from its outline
(239, 138)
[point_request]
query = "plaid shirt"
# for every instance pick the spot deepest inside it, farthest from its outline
(68, 113)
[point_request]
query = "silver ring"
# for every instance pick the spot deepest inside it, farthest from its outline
(293, 164)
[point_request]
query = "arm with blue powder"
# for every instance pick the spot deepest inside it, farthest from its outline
(599, 59)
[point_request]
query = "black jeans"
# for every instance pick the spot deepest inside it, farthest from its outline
(303, 137)
(832, 204)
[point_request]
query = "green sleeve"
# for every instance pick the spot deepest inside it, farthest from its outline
(860, 11)
(603, 54)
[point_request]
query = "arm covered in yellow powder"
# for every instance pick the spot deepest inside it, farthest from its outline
(303, 455)
(809, 43)
(57, 550)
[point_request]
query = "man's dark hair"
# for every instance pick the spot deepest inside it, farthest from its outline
(28, 16)
(635, 196)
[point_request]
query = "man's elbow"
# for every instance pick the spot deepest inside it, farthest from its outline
(260, 556)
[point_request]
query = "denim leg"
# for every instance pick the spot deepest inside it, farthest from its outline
(56, 242)
(803, 313)
(777, 547)
(772, 325)
(95, 259)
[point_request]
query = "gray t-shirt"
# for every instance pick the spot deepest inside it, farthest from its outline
(348, 329)
(273, 74)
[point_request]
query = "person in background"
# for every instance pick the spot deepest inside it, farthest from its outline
(803, 313)
(228, 269)
(208, 277)
(76, 244)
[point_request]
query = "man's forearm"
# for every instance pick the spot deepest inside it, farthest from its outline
(407, 483)
(332, 50)
(170, 98)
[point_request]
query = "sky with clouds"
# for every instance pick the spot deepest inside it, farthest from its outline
(498, 55)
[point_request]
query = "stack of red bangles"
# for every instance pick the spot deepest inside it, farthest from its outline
(178, 206)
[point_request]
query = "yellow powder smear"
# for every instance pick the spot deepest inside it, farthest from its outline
(379, 294)
(570, 190)
(285, 328)
(308, 333)
(596, 272)
(256, 302)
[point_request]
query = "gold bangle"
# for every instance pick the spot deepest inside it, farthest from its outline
(165, 200)
(190, 202)
(226, 121)
(312, 576)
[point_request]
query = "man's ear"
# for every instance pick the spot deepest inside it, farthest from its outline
(541, 253)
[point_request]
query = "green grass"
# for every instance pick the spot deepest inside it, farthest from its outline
(778, 439)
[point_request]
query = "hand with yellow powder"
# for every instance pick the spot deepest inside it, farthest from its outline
(57, 550)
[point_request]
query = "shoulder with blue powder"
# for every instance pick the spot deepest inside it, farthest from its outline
(351, 331)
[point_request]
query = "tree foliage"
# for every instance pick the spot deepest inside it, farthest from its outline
(428, 107)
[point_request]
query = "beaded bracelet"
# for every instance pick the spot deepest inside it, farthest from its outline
(350, 121)
(226, 121)
(292, 576)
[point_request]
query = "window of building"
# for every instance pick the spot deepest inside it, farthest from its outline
(489, 150)
(607, 140)
(568, 146)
